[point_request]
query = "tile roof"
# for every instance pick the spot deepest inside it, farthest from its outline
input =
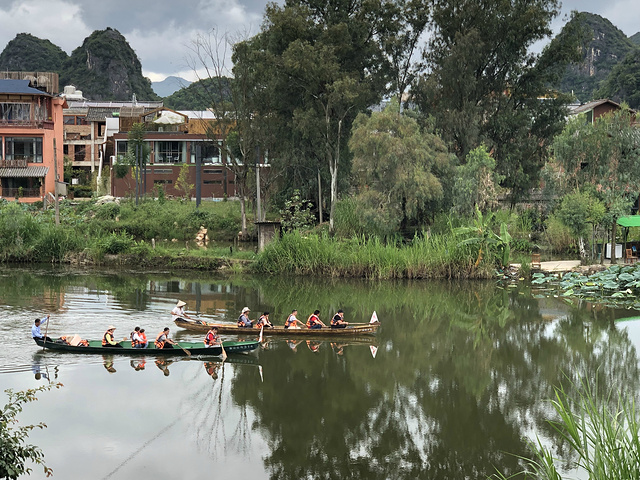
(24, 172)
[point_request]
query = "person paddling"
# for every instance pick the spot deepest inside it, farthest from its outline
(163, 340)
(108, 340)
(263, 321)
(314, 322)
(338, 320)
(178, 311)
(292, 321)
(35, 328)
(212, 339)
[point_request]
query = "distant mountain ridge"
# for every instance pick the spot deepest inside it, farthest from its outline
(603, 48)
(104, 67)
(169, 85)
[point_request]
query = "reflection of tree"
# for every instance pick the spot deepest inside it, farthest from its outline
(466, 375)
(217, 433)
(462, 374)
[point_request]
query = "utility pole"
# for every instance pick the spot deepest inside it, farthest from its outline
(55, 183)
(198, 180)
(258, 202)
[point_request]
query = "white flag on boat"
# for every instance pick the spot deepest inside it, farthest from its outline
(374, 350)
(374, 317)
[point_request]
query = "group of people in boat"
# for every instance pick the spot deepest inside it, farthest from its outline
(292, 322)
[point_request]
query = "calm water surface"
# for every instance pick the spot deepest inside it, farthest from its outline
(452, 386)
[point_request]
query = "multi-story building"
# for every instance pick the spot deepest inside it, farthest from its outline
(173, 139)
(31, 141)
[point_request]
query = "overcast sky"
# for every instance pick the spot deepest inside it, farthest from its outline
(161, 31)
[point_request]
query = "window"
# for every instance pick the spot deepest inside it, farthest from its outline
(209, 152)
(79, 153)
(169, 152)
(212, 172)
(162, 181)
(163, 170)
(212, 182)
(15, 112)
(28, 149)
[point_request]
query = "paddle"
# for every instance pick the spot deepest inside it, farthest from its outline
(224, 354)
(46, 330)
(183, 349)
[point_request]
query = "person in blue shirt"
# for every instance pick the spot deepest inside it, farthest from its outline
(35, 329)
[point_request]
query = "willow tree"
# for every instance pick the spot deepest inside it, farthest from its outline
(393, 168)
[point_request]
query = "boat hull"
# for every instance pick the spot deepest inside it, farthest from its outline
(226, 328)
(195, 348)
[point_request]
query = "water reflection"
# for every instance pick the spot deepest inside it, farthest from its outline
(456, 379)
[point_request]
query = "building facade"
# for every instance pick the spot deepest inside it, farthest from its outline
(31, 141)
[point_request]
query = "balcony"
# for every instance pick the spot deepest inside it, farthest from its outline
(21, 192)
(16, 162)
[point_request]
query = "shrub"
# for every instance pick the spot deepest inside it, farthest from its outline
(54, 243)
(115, 243)
(107, 211)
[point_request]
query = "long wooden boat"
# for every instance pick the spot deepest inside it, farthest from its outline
(195, 348)
(229, 328)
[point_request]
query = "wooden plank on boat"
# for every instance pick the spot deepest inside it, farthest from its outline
(228, 328)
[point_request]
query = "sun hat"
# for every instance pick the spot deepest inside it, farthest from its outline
(111, 327)
(246, 309)
(180, 303)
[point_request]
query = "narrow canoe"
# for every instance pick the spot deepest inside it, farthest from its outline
(195, 348)
(228, 328)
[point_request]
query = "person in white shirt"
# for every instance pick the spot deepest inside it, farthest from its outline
(35, 328)
(178, 311)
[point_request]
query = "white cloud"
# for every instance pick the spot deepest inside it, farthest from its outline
(56, 20)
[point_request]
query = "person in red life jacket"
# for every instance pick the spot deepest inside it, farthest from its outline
(136, 341)
(243, 319)
(314, 321)
(212, 339)
(338, 320)
(163, 340)
(292, 321)
(143, 338)
(108, 340)
(263, 321)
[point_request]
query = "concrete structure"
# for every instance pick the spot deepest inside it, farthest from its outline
(30, 122)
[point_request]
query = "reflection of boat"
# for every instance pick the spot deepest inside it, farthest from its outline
(228, 328)
(195, 348)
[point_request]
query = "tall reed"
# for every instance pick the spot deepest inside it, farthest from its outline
(435, 256)
(602, 432)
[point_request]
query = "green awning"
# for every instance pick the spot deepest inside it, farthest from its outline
(629, 221)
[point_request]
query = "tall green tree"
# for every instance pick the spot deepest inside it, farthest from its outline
(476, 183)
(482, 84)
(393, 166)
(325, 64)
(604, 154)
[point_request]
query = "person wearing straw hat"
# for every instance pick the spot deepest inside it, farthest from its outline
(178, 311)
(108, 340)
(243, 319)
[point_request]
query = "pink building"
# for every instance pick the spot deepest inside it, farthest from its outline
(30, 121)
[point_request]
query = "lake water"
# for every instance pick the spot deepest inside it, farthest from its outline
(452, 386)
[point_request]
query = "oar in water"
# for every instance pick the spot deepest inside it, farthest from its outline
(183, 349)
(224, 354)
